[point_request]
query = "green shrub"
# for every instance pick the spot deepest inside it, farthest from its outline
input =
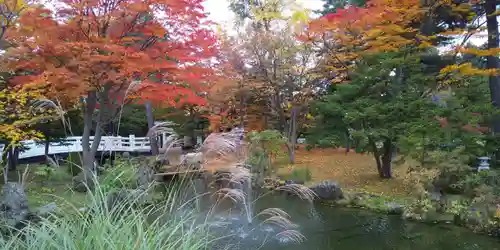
(263, 147)
(472, 181)
(74, 163)
(299, 175)
(122, 175)
(44, 173)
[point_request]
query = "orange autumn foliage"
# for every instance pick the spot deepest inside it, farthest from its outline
(228, 96)
(351, 33)
(92, 45)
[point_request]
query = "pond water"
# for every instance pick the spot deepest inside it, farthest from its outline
(325, 228)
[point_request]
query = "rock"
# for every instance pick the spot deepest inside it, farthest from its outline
(272, 183)
(159, 163)
(394, 208)
(46, 209)
(435, 217)
(328, 190)
(14, 205)
(358, 199)
(144, 176)
(435, 196)
(343, 202)
(193, 160)
(289, 182)
(82, 184)
(130, 196)
(126, 155)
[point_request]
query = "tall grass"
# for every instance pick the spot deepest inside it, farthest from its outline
(122, 225)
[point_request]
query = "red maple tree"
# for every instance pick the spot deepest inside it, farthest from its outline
(100, 49)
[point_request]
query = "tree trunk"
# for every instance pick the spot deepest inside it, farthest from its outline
(376, 154)
(12, 159)
(493, 62)
(348, 142)
(387, 160)
(152, 139)
(383, 159)
(292, 134)
(112, 132)
(5, 157)
(88, 111)
(46, 151)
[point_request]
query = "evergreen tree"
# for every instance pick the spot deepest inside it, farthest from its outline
(331, 6)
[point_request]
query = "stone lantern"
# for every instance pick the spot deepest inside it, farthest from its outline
(484, 163)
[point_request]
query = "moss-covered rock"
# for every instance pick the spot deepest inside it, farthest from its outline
(439, 218)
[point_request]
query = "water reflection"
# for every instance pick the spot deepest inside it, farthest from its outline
(328, 228)
(334, 228)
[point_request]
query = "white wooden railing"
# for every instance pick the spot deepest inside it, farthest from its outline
(74, 144)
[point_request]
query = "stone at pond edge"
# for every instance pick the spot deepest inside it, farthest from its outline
(328, 190)
(393, 208)
(288, 182)
(436, 217)
(47, 209)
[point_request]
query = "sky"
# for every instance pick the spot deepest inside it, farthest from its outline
(219, 12)
(219, 9)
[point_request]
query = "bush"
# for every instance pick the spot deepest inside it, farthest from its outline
(122, 175)
(302, 175)
(74, 163)
(473, 181)
(263, 147)
(47, 174)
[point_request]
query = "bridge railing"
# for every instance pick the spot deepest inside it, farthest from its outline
(74, 144)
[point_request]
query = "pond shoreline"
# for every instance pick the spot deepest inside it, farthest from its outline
(378, 204)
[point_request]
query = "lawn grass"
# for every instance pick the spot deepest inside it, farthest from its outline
(353, 171)
(57, 188)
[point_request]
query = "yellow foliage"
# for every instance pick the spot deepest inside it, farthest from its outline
(12, 5)
(10, 10)
(467, 69)
(18, 115)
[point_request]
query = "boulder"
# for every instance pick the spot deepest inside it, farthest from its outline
(130, 196)
(159, 163)
(82, 183)
(288, 182)
(144, 176)
(193, 160)
(393, 208)
(328, 190)
(47, 209)
(14, 205)
(126, 155)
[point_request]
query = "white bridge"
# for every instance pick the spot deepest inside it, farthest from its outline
(74, 144)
